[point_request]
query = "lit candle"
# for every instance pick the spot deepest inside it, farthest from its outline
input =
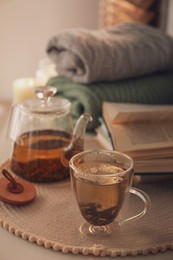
(23, 89)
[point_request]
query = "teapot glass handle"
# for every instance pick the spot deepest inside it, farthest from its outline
(147, 204)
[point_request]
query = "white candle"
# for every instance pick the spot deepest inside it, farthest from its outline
(23, 89)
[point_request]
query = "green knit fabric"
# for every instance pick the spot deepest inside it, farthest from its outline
(151, 89)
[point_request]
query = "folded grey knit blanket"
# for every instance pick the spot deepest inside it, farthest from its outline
(123, 51)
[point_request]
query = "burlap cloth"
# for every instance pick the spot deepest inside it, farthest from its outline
(53, 220)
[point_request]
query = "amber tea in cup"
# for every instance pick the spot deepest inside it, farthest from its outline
(101, 180)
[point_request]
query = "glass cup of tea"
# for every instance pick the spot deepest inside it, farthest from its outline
(101, 180)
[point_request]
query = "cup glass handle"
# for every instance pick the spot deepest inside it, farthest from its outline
(147, 204)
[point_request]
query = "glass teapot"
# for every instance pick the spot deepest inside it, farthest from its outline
(42, 137)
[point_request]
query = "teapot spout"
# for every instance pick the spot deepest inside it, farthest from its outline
(77, 143)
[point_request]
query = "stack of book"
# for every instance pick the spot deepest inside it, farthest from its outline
(144, 132)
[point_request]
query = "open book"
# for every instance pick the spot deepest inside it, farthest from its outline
(145, 132)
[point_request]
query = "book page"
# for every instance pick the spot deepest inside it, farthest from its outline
(149, 114)
(146, 116)
(120, 113)
(142, 139)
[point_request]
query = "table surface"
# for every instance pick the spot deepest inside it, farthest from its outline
(13, 247)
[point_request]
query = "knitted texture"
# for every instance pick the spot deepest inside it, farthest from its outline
(153, 89)
(122, 51)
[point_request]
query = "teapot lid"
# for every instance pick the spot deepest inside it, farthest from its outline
(45, 103)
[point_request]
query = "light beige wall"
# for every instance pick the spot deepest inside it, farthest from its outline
(27, 25)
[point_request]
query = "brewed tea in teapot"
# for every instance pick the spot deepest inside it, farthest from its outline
(43, 139)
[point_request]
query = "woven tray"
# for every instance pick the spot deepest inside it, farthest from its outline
(53, 220)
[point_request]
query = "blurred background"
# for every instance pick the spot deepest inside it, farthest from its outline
(27, 25)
